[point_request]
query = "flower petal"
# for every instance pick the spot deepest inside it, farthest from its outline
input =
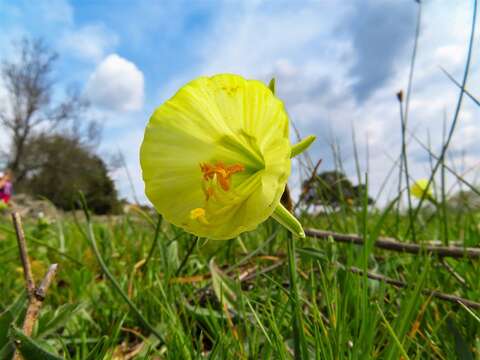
(286, 219)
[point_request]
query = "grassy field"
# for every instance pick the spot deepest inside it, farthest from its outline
(232, 299)
(136, 287)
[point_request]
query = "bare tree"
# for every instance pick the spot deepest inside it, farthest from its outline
(30, 108)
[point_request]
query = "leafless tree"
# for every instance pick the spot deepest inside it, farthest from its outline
(30, 107)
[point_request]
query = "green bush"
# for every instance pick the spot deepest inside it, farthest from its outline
(60, 167)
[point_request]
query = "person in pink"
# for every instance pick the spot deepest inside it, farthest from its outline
(6, 187)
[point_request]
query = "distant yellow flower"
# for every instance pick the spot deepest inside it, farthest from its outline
(38, 268)
(216, 157)
(421, 187)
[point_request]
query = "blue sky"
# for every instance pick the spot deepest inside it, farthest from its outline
(338, 66)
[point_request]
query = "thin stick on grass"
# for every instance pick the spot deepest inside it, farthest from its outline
(400, 284)
(373, 276)
(36, 295)
(266, 270)
(393, 245)
(452, 272)
(397, 283)
(36, 300)
(22, 248)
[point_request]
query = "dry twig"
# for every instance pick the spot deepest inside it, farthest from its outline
(36, 295)
(35, 302)
(397, 283)
(22, 248)
(307, 184)
(452, 271)
(394, 245)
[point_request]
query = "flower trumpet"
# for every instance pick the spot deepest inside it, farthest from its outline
(216, 157)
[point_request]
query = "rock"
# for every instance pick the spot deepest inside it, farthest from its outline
(29, 207)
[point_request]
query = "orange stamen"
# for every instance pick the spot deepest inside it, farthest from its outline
(222, 172)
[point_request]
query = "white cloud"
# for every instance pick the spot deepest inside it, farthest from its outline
(116, 84)
(449, 55)
(90, 42)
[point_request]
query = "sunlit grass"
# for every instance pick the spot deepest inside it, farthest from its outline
(135, 286)
(344, 314)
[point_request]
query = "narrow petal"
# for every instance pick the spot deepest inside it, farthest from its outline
(286, 219)
(301, 146)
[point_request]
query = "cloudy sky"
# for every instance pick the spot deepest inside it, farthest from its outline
(338, 67)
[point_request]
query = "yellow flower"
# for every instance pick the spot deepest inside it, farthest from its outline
(421, 187)
(216, 157)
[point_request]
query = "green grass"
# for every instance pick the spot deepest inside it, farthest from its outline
(205, 311)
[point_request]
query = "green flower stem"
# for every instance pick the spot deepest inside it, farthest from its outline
(286, 219)
(187, 256)
(298, 336)
(155, 241)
